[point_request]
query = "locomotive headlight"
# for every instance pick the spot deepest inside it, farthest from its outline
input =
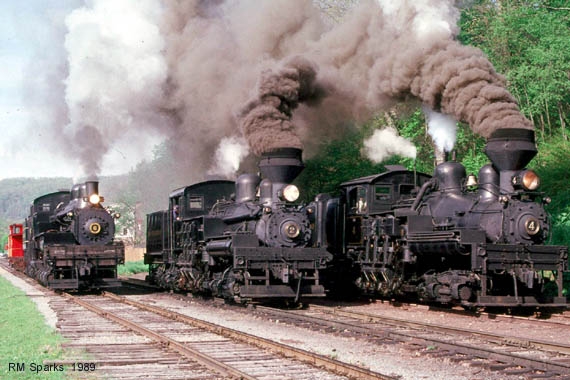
(528, 179)
(290, 193)
(94, 199)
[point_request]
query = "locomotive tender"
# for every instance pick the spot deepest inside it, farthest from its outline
(69, 240)
(242, 241)
(440, 240)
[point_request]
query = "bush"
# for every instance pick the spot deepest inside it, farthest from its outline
(132, 267)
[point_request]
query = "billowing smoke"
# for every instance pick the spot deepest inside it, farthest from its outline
(201, 72)
(266, 120)
(216, 51)
(386, 51)
(430, 64)
(442, 129)
(385, 143)
(114, 87)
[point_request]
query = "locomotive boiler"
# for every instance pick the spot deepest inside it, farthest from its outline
(243, 241)
(447, 239)
(69, 240)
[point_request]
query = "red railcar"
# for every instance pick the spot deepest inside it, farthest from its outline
(15, 251)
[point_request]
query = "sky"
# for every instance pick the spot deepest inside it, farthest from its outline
(32, 35)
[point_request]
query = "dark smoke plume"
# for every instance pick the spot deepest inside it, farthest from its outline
(456, 80)
(380, 53)
(144, 71)
(266, 120)
(89, 151)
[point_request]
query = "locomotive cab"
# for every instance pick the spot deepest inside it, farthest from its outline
(368, 217)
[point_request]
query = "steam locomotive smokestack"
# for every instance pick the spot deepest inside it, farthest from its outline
(511, 148)
(92, 187)
(281, 165)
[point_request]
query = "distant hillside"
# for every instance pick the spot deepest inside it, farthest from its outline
(16, 194)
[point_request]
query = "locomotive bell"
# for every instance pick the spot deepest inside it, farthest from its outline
(471, 181)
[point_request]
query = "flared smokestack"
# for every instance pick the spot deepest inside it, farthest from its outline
(511, 148)
(281, 165)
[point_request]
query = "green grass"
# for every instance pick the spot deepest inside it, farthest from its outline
(133, 267)
(24, 336)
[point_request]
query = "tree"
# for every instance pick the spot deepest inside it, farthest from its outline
(528, 41)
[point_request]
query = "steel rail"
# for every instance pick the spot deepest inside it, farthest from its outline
(222, 368)
(493, 337)
(332, 365)
(474, 351)
(491, 315)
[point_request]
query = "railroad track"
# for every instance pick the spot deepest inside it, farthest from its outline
(513, 356)
(541, 317)
(131, 355)
(106, 338)
(558, 317)
(194, 348)
(500, 352)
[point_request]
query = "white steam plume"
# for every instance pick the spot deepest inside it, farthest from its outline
(425, 17)
(442, 129)
(385, 143)
(229, 154)
(116, 73)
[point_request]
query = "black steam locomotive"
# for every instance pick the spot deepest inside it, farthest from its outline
(69, 240)
(447, 239)
(242, 241)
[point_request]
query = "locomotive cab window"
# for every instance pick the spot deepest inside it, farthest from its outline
(382, 193)
(196, 203)
(406, 191)
(45, 207)
(357, 200)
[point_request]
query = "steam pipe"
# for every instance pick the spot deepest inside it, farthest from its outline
(421, 193)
